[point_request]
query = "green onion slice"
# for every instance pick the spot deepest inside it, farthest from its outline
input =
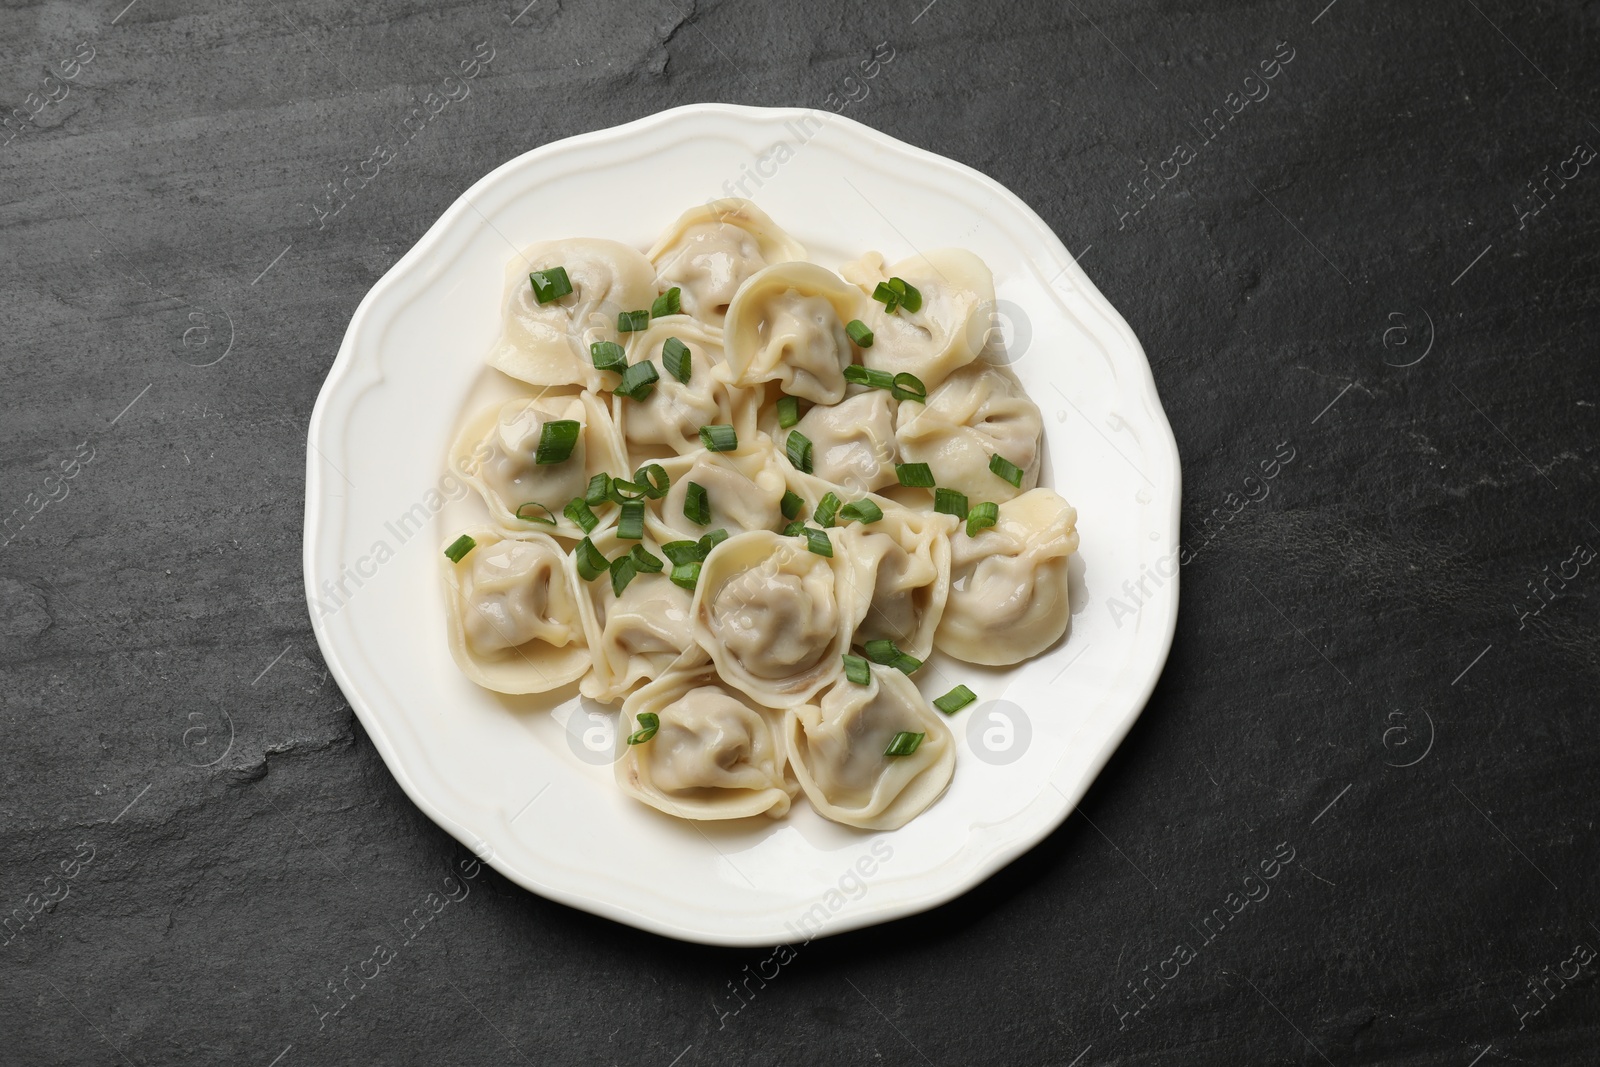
(862, 511)
(798, 448)
(460, 547)
(675, 357)
(630, 527)
(877, 379)
(881, 651)
(819, 542)
(859, 333)
(795, 528)
(623, 571)
(856, 669)
(620, 491)
(686, 575)
(645, 560)
(917, 475)
(982, 516)
(903, 743)
(696, 504)
(556, 441)
(548, 518)
(713, 539)
(792, 504)
(666, 304)
(719, 438)
(582, 517)
(649, 723)
(885, 294)
(681, 552)
(632, 321)
(653, 479)
(910, 295)
(950, 502)
(608, 355)
(1006, 469)
(788, 411)
(592, 563)
(827, 508)
(550, 284)
(638, 380)
(908, 386)
(955, 700)
(599, 490)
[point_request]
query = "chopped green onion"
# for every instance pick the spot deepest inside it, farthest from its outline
(982, 516)
(719, 438)
(885, 294)
(856, 669)
(599, 490)
(556, 441)
(592, 563)
(620, 491)
(859, 333)
(862, 511)
(686, 575)
(645, 560)
(791, 504)
(637, 381)
(681, 552)
(551, 284)
(788, 411)
(955, 700)
(548, 518)
(696, 504)
(608, 355)
(950, 502)
(877, 379)
(910, 295)
(903, 743)
(713, 539)
(630, 527)
(827, 508)
(623, 571)
(888, 654)
(649, 723)
(653, 479)
(798, 448)
(632, 321)
(675, 357)
(460, 547)
(666, 304)
(1006, 469)
(916, 475)
(582, 517)
(908, 386)
(819, 542)
(795, 528)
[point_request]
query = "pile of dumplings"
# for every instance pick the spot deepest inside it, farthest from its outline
(784, 655)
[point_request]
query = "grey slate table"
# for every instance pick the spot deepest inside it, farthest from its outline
(1381, 260)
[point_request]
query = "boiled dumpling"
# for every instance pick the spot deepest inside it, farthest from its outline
(903, 559)
(512, 614)
(836, 747)
(640, 634)
(773, 617)
(497, 453)
(1008, 596)
(941, 335)
(714, 754)
(548, 344)
(786, 325)
(669, 419)
(744, 491)
(853, 441)
(978, 412)
(710, 251)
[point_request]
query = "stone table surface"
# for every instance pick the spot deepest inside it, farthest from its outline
(1382, 259)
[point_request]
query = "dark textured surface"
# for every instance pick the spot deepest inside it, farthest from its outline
(1368, 613)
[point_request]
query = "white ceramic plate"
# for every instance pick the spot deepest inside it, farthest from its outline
(527, 782)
